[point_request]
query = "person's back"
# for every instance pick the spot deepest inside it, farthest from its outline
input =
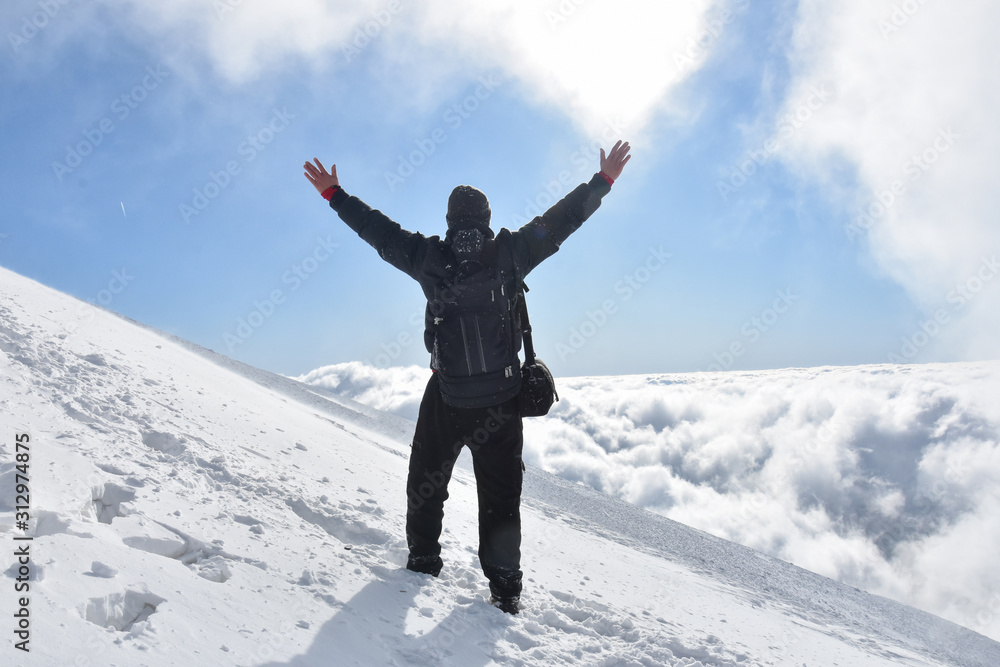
(470, 279)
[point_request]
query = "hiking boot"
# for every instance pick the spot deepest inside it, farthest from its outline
(425, 565)
(508, 605)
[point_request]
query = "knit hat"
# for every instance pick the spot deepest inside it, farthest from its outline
(468, 208)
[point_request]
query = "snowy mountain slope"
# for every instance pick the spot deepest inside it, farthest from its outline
(190, 510)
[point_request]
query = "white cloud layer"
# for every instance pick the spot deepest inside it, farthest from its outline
(396, 389)
(883, 477)
(917, 94)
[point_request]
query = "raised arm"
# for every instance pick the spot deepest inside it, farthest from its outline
(404, 250)
(540, 238)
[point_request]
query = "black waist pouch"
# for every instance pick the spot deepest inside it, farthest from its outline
(538, 389)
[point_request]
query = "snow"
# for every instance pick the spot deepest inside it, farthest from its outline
(189, 509)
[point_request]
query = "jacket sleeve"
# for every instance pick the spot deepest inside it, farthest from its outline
(404, 250)
(540, 238)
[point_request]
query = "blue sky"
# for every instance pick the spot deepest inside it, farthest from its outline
(153, 165)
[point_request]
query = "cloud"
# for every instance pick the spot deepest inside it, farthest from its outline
(917, 91)
(397, 389)
(241, 41)
(883, 477)
(594, 62)
(875, 476)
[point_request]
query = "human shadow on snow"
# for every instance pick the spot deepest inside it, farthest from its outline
(372, 625)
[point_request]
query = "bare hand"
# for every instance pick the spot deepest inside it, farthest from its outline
(613, 164)
(319, 177)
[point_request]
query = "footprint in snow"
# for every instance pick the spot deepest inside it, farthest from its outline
(545, 620)
(166, 443)
(127, 612)
(208, 561)
(108, 501)
(348, 529)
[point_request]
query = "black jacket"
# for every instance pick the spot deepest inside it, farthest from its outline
(429, 261)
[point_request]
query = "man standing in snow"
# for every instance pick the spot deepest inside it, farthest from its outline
(476, 407)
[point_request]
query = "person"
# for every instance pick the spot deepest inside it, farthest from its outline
(477, 408)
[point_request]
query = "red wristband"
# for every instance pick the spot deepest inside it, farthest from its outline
(610, 180)
(328, 193)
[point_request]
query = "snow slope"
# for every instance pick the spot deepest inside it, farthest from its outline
(190, 510)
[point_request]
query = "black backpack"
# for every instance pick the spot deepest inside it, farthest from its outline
(476, 332)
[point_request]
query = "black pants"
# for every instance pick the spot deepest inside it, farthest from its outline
(494, 436)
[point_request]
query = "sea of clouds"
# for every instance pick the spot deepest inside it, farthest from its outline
(885, 477)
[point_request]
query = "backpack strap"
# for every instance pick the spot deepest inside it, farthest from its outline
(522, 311)
(521, 306)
